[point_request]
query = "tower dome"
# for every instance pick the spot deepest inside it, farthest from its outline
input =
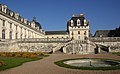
(38, 24)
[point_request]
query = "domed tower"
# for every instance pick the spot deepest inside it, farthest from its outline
(78, 27)
(36, 24)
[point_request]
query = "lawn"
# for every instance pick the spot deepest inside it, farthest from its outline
(11, 62)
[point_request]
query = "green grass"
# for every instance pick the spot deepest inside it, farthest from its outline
(62, 64)
(15, 61)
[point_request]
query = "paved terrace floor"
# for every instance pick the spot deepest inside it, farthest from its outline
(47, 66)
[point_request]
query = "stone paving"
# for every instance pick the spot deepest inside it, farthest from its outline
(47, 66)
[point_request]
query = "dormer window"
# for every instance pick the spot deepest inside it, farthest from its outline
(78, 22)
(11, 13)
(85, 22)
(16, 15)
(25, 21)
(72, 23)
(4, 8)
(21, 19)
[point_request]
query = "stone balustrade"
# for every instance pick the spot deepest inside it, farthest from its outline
(104, 39)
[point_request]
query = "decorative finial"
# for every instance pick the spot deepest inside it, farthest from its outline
(81, 14)
(73, 15)
(34, 19)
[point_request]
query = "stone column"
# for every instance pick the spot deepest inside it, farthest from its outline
(64, 50)
(109, 48)
(99, 49)
(7, 25)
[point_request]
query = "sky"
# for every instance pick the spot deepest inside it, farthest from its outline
(54, 14)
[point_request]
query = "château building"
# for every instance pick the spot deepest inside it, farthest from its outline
(17, 34)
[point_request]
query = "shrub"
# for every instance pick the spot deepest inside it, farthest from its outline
(18, 54)
(2, 63)
(21, 54)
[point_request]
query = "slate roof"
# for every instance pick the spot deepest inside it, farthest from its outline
(104, 33)
(56, 32)
(75, 20)
(38, 24)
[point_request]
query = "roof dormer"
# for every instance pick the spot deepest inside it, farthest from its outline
(4, 8)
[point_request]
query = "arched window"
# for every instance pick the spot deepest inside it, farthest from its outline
(3, 34)
(72, 23)
(78, 32)
(10, 34)
(78, 22)
(85, 33)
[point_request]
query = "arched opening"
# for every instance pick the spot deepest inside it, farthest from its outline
(3, 34)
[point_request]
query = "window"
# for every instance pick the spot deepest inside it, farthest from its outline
(25, 33)
(3, 34)
(16, 35)
(72, 23)
(16, 27)
(78, 32)
(78, 37)
(10, 35)
(85, 33)
(3, 22)
(67, 37)
(25, 36)
(10, 25)
(85, 38)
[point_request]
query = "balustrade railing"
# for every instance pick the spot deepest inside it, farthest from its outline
(37, 40)
(104, 39)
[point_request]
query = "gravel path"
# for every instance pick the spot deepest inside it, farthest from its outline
(47, 66)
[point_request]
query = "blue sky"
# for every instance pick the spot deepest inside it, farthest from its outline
(54, 14)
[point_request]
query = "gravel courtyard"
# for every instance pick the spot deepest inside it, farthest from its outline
(47, 66)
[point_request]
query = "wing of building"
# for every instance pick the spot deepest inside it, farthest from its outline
(14, 26)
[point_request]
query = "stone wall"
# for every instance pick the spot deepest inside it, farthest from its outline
(30, 45)
(112, 42)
